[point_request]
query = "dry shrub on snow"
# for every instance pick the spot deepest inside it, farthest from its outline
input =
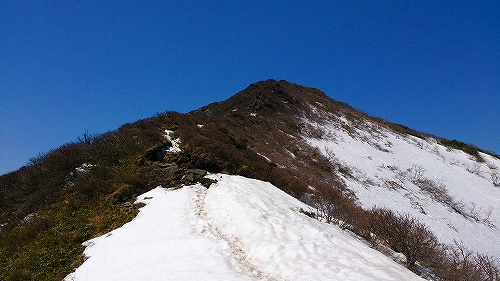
(404, 234)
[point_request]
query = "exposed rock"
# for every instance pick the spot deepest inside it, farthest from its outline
(206, 182)
(198, 172)
(155, 154)
(188, 178)
(193, 175)
(169, 168)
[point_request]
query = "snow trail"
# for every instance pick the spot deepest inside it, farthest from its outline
(203, 225)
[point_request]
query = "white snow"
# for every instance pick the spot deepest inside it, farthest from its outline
(159, 244)
(238, 229)
(273, 237)
(377, 157)
(84, 168)
(175, 148)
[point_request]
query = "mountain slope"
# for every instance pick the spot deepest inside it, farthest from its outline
(448, 190)
(329, 155)
(378, 163)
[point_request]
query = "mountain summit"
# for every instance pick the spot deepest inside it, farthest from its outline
(428, 203)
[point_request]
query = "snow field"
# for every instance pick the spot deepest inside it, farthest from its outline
(283, 243)
(238, 229)
(467, 181)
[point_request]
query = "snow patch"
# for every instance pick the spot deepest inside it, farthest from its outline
(85, 167)
(175, 148)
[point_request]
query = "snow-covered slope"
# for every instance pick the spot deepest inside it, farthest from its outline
(238, 229)
(456, 196)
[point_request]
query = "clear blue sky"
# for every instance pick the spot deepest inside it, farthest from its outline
(67, 67)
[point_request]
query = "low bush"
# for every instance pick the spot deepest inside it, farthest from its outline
(467, 148)
(404, 234)
(460, 263)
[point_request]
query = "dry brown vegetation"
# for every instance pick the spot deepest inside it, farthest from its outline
(49, 207)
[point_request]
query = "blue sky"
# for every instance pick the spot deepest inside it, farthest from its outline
(67, 67)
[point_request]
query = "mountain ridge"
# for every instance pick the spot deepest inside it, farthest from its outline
(261, 95)
(292, 136)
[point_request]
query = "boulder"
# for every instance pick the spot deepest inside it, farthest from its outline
(194, 175)
(169, 168)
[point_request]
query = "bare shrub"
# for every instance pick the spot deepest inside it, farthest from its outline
(459, 207)
(491, 166)
(421, 144)
(331, 155)
(338, 165)
(314, 132)
(475, 169)
(379, 147)
(495, 179)
(323, 200)
(416, 173)
(481, 216)
(393, 185)
(435, 150)
(485, 219)
(336, 207)
(402, 177)
(461, 263)
(467, 148)
(404, 234)
(474, 212)
(87, 138)
(345, 170)
(366, 181)
(392, 168)
(489, 266)
(348, 129)
(437, 190)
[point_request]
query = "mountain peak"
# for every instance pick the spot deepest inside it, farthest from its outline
(271, 98)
